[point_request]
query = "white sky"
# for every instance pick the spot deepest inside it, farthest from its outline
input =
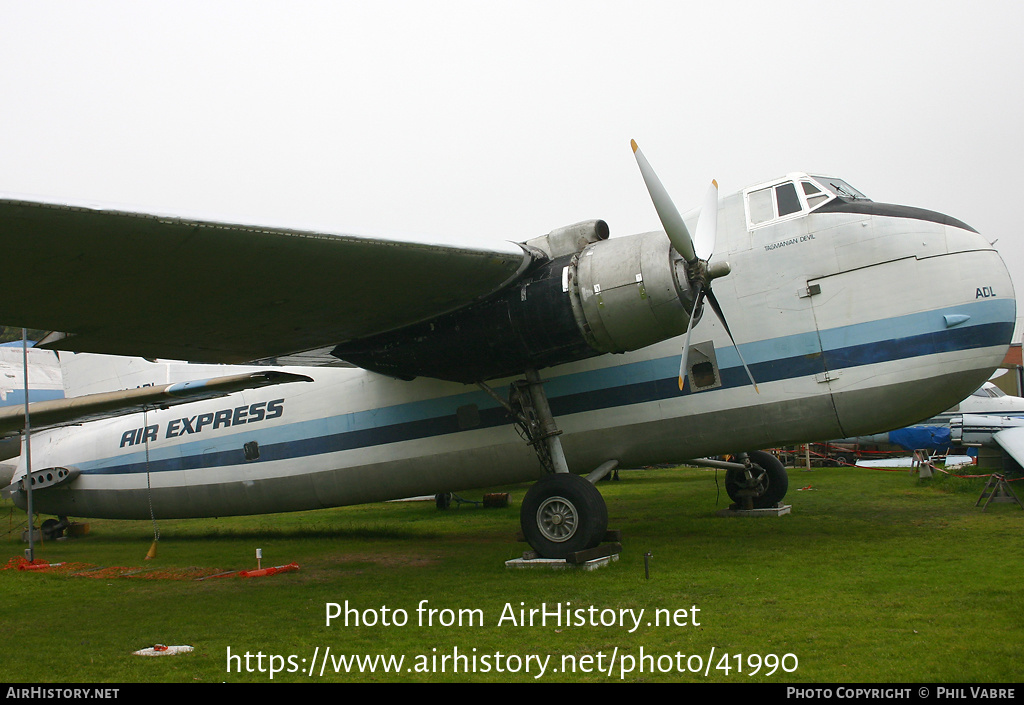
(504, 120)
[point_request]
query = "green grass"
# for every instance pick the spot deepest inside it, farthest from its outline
(874, 577)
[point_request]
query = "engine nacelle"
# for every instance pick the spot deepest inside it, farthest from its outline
(610, 296)
(629, 292)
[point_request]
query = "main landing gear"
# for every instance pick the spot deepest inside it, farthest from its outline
(562, 514)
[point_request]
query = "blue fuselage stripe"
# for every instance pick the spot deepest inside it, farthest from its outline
(635, 383)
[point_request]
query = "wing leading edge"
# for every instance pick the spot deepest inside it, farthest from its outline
(90, 407)
(126, 283)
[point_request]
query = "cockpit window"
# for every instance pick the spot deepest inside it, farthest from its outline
(794, 196)
(778, 201)
(989, 391)
(814, 195)
(762, 208)
(787, 198)
(842, 189)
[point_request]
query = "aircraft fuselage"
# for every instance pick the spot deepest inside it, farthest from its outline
(854, 318)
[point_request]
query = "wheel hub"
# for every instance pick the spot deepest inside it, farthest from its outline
(556, 519)
(757, 484)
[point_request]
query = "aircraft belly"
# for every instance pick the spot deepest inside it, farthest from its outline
(876, 398)
(635, 438)
(297, 470)
(330, 480)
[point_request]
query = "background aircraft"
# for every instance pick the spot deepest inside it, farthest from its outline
(935, 433)
(44, 382)
(831, 296)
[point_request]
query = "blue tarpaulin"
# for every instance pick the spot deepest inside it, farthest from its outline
(921, 437)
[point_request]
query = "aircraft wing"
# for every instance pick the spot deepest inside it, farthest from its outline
(1012, 441)
(126, 283)
(89, 407)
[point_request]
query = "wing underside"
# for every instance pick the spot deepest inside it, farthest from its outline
(127, 283)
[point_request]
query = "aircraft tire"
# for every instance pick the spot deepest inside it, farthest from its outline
(52, 529)
(562, 514)
(773, 482)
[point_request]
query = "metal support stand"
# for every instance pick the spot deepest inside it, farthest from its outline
(924, 463)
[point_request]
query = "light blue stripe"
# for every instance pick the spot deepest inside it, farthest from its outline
(986, 312)
(17, 396)
(980, 312)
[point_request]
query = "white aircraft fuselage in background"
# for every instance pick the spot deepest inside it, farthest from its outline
(854, 317)
(44, 383)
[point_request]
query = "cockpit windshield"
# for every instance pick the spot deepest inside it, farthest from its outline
(794, 196)
(989, 391)
(841, 188)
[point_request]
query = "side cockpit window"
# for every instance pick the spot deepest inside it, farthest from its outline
(761, 206)
(841, 189)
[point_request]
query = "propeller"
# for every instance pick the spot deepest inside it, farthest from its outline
(695, 251)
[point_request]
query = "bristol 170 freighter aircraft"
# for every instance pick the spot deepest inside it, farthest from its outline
(471, 367)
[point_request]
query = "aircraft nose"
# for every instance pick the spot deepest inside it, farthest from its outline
(929, 312)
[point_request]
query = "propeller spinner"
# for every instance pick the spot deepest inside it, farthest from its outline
(696, 251)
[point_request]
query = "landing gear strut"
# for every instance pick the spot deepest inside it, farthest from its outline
(537, 423)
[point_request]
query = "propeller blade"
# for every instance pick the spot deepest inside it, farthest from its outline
(721, 316)
(673, 223)
(686, 340)
(707, 224)
(691, 250)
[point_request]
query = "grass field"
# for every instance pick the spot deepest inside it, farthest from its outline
(873, 577)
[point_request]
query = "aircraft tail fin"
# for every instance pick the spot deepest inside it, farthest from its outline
(86, 373)
(89, 373)
(44, 375)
